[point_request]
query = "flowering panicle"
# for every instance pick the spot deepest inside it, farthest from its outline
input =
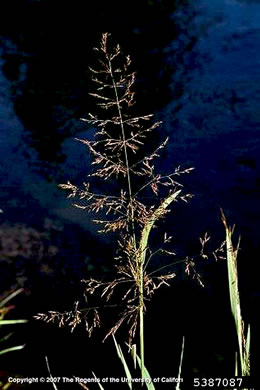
(119, 151)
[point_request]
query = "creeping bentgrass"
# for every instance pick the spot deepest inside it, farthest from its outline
(122, 150)
(136, 198)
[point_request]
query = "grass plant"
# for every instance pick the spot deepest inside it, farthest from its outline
(4, 309)
(146, 377)
(137, 197)
(120, 151)
(243, 363)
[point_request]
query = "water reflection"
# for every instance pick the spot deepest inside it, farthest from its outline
(47, 62)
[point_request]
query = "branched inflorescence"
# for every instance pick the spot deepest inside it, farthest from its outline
(119, 151)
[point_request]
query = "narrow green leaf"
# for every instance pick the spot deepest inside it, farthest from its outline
(11, 349)
(147, 378)
(235, 299)
(4, 301)
(133, 354)
(248, 340)
(49, 370)
(12, 322)
(99, 385)
(236, 364)
(6, 386)
(122, 358)
(181, 362)
(6, 337)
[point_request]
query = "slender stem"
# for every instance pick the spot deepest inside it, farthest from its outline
(125, 151)
(180, 365)
(48, 368)
(139, 261)
(141, 330)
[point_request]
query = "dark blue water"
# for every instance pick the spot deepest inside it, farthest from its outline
(218, 128)
(25, 193)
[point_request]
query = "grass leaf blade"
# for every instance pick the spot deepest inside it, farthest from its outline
(243, 343)
(99, 385)
(11, 349)
(147, 378)
(181, 362)
(123, 361)
(12, 322)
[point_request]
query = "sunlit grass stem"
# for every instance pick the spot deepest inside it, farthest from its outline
(243, 340)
